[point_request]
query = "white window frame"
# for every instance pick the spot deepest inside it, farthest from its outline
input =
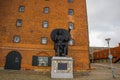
(46, 10)
(70, 25)
(70, 12)
(16, 39)
(21, 8)
(71, 42)
(45, 24)
(70, 1)
(44, 40)
(19, 22)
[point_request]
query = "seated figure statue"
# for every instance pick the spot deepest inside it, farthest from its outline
(60, 38)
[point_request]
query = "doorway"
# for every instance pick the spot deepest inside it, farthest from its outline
(13, 61)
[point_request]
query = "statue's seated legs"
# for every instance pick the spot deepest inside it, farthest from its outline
(61, 50)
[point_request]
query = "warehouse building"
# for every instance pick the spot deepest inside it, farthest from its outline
(25, 28)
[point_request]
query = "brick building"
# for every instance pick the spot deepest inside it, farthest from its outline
(102, 56)
(94, 49)
(25, 28)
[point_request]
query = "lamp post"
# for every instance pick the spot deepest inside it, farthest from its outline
(110, 56)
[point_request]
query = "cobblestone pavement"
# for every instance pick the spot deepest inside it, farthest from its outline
(97, 72)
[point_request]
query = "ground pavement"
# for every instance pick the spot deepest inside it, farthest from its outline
(97, 72)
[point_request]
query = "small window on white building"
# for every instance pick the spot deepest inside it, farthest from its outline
(16, 39)
(21, 8)
(19, 23)
(70, 25)
(45, 24)
(70, 12)
(46, 10)
(44, 40)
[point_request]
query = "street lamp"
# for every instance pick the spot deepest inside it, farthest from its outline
(110, 56)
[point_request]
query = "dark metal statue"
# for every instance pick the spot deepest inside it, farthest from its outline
(61, 38)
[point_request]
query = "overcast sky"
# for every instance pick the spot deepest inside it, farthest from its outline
(103, 22)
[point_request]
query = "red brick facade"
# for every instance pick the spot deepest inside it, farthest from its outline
(31, 31)
(103, 54)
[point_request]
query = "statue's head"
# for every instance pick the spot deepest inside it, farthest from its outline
(61, 34)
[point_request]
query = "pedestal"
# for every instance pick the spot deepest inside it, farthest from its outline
(62, 67)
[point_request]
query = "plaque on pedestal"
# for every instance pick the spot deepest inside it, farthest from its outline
(62, 67)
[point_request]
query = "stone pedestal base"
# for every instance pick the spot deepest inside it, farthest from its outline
(62, 67)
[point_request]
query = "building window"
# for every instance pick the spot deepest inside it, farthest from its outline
(70, 0)
(21, 8)
(71, 42)
(44, 40)
(70, 12)
(41, 61)
(19, 23)
(70, 25)
(46, 10)
(16, 39)
(45, 24)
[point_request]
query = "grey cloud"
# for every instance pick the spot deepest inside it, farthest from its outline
(104, 20)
